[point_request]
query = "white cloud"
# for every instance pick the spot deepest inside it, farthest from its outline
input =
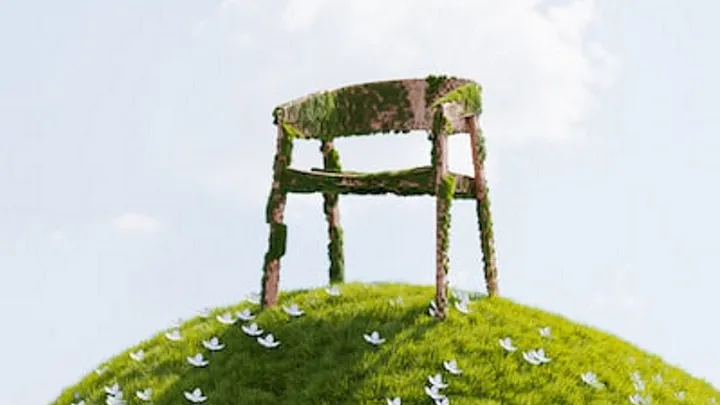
(134, 223)
(538, 65)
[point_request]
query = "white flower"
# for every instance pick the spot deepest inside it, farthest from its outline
(432, 312)
(113, 389)
(268, 341)
(452, 367)
(374, 338)
(173, 335)
(394, 401)
(461, 295)
(680, 395)
(531, 358)
(293, 310)
(434, 392)
(76, 396)
(544, 332)
(637, 399)
(333, 291)
(396, 301)
(638, 383)
(116, 399)
(195, 396)
(462, 307)
(436, 381)
(226, 318)
(100, 370)
(713, 400)
(591, 379)
(245, 315)
(197, 360)
(657, 379)
(213, 344)
(507, 344)
(138, 355)
(144, 395)
(252, 330)
(540, 354)
(536, 357)
(204, 313)
(253, 298)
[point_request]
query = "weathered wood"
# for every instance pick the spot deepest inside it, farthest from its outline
(440, 166)
(393, 105)
(275, 216)
(417, 181)
(482, 203)
(336, 254)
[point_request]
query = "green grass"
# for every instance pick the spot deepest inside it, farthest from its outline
(323, 358)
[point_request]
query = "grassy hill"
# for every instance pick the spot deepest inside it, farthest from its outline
(324, 359)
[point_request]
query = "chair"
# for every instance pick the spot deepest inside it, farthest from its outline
(441, 105)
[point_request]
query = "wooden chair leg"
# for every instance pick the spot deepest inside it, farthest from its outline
(275, 213)
(441, 217)
(331, 207)
(482, 204)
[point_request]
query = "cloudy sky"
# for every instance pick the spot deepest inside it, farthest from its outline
(136, 145)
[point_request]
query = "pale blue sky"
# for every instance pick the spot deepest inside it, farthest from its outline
(136, 145)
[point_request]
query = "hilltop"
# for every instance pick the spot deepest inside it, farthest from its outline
(323, 357)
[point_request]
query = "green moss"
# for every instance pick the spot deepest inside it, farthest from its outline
(277, 199)
(336, 255)
(416, 181)
(277, 241)
(332, 161)
(351, 111)
(467, 95)
(291, 131)
(446, 191)
(409, 182)
(323, 359)
(485, 224)
(439, 124)
(434, 84)
(282, 161)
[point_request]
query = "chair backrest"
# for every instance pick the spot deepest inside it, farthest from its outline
(386, 106)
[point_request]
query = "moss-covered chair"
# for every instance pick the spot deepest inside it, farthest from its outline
(438, 104)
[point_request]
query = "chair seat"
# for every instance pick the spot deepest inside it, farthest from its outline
(416, 181)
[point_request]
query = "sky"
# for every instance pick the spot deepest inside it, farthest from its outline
(136, 145)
